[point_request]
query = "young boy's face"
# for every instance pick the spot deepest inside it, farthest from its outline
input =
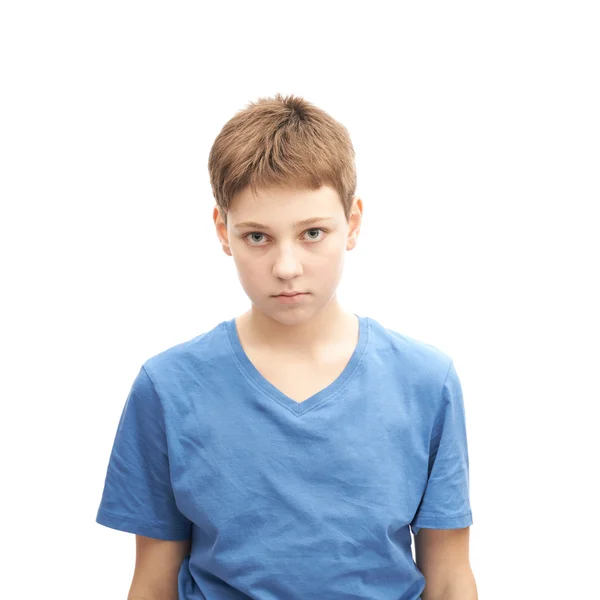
(277, 253)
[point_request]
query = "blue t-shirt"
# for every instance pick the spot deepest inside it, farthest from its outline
(287, 500)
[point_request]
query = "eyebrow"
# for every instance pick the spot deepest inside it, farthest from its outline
(304, 222)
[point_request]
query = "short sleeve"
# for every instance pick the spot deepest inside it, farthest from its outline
(445, 503)
(138, 496)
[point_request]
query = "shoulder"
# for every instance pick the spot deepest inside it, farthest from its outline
(191, 357)
(417, 356)
(415, 369)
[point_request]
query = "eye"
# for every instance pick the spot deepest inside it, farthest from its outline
(316, 239)
(254, 233)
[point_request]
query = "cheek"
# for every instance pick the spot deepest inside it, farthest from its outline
(250, 265)
(329, 257)
(245, 265)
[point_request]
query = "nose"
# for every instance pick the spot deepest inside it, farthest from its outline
(287, 265)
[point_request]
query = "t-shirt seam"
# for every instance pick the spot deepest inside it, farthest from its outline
(142, 522)
(245, 374)
(425, 514)
(162, 420)
(350, 375)
(440, 410)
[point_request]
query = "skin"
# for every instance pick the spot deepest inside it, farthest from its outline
(442, 555)
(157, 564)
(285, 256)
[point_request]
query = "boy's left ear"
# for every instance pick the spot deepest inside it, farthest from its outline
(354, 222)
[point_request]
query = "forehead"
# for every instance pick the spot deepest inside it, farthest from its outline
(277, 205)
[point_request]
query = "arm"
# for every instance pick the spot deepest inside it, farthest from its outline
(442, 555)
(462, 589)
(157, 564)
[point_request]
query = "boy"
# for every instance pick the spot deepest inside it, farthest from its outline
(285, 453)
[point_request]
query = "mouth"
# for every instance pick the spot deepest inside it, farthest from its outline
(291, 298)
(290, 295)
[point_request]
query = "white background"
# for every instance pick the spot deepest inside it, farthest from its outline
(477, 136)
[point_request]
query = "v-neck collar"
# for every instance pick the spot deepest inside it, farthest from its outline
(298, 408)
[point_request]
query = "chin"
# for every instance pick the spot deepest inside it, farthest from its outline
(293, 318)
(288, 315)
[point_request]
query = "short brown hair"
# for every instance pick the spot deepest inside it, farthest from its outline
(282, 141)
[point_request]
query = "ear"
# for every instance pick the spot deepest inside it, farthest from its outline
(354, 222)
(221, 228)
